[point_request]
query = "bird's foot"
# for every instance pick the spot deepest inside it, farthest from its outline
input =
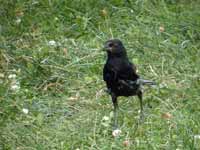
(115, 126)
(142, 117)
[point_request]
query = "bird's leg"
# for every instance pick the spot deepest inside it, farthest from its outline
(115, 104)
(141, 104)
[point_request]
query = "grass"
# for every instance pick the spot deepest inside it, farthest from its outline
(54, 49)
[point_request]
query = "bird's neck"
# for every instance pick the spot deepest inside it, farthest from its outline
(117, 55)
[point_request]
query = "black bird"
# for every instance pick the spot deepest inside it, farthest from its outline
(120, 75)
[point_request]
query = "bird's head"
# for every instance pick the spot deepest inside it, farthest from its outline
(114, 47)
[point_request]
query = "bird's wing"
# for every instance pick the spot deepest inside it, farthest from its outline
(119, 70)
(109, 74)
(133, 67)
(128, 72)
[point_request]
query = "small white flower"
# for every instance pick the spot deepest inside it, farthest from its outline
(197, 137)
(12, 76)
(15, 87)
(25, 111)
(105, 118)
(137, 141)
(56, 18)
(18, 20)
(52, 43)
(116, 132)
(105, 121)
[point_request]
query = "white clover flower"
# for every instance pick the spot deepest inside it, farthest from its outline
(105, 118)
(196, 140)
(18, 20)
(12, 76)
(197, 137)
(137, 141)
(132, 11)
(116, 132)
(15, 87)
(105, 121)
(25, 110)
(56, 18)
(52, 43)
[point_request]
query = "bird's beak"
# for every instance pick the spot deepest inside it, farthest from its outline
(107, 48)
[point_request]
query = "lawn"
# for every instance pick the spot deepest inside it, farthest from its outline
(52, 95)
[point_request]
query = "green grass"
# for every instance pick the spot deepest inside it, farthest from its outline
(61, 85)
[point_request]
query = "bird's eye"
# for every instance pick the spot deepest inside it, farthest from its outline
(110, 44)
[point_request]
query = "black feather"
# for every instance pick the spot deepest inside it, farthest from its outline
(120, 74)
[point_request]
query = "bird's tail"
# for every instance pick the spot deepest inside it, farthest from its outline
(145, 82)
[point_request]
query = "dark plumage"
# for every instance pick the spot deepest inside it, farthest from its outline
(120, 75)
